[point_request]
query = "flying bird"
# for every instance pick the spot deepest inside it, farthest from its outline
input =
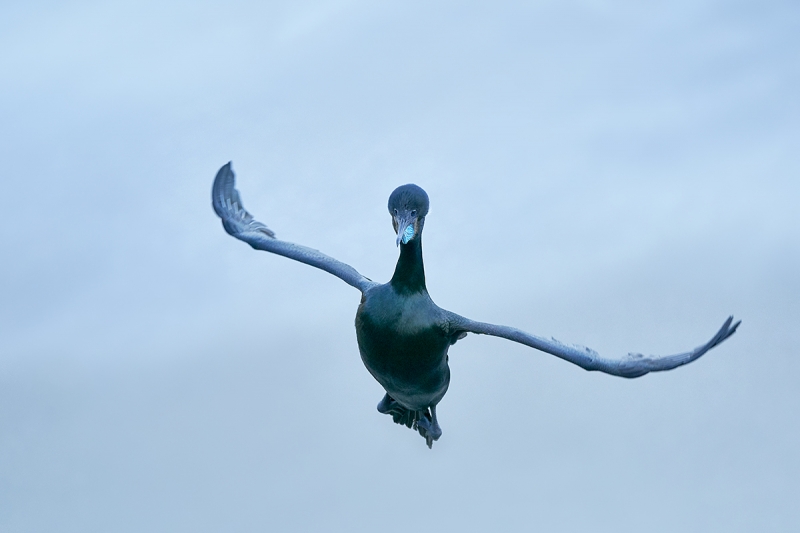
(404, 337)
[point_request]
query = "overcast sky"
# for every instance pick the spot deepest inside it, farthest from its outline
(622, 175)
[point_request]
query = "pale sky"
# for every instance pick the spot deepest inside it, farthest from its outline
(614, 174)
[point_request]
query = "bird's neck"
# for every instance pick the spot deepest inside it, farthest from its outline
(409, 274)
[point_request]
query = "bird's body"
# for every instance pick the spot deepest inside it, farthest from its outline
(404, 337)
(403, 345)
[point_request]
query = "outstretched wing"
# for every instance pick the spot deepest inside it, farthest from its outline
(631, 366)
(241, 224)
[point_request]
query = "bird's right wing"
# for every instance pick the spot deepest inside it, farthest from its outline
(241, 224)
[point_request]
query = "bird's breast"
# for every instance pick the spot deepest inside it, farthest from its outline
(401, 342)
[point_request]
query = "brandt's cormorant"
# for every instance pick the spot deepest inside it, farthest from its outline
(402, 335)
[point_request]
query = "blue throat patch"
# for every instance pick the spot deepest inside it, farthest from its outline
(408, 233)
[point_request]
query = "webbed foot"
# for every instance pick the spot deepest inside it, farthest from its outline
(428, 426)
(400, 415)
(422, 421)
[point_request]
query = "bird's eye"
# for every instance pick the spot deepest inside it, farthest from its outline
(395, 211)
(414, 213)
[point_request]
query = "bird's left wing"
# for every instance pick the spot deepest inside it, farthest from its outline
(241, 224)
(631, 366)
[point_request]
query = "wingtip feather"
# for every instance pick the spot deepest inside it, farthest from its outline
(223, 181)
(228, 206)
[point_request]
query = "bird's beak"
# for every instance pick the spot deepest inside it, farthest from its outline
(406, 228)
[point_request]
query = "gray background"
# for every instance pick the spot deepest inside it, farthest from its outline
(622, 175)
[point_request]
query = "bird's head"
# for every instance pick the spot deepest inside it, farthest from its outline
(408, 205)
